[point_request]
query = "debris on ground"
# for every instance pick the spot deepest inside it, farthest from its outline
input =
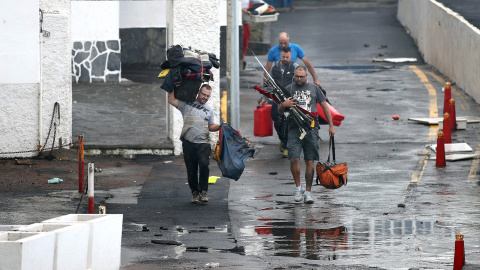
(55, 181)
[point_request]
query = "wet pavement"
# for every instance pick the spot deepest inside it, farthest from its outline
(398, 210)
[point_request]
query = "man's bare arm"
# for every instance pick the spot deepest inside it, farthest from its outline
(267, 68)
(172, 100)
(213, 127)
(310, 68)
(328, 115)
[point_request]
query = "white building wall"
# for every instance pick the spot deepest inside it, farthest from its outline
(95, 20)
(56, 69)
(202, 36)
(19, 49)
(27, 96)
(143, 14)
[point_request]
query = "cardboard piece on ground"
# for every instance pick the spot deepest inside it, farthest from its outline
(436, 120)
(453, 147)
(455, 157)
(395, 60)
(461, 124)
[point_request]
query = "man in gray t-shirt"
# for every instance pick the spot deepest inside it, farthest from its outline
(198, 121)
(305, 95)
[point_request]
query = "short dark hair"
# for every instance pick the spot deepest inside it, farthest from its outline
(207, 86)
(301, 68)
(286, 49)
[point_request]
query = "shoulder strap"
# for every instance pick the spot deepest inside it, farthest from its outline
(332, 138)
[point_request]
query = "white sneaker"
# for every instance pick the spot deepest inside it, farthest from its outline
(299, 194)
(308, 197)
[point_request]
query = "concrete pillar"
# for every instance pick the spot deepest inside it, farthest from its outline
(196, 24)
(56, 68)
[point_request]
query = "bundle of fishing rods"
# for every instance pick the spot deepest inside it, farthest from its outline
(302, 118)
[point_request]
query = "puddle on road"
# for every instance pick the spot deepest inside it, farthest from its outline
(309, 239)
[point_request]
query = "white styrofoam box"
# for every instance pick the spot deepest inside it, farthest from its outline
(71, 243)
(6, 228)
(461, 123)
(261, 18)
(26, 250)
(104, 241)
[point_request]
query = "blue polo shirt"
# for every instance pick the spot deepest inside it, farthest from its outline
(274, 53)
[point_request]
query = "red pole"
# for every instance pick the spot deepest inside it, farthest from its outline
(81, 165)
(446, 128)
(459, 257)
(440, 160)
(91, 200)
(447, 97)
(451, 111)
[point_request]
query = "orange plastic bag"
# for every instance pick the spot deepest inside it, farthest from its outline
(332, 175)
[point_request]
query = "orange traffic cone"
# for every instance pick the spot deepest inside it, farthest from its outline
(451, 111)
(459, 257)
(447, 97)
(440, 160)
(446, 128)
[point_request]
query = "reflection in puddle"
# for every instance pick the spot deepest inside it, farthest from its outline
(292, 241)
(309, 239)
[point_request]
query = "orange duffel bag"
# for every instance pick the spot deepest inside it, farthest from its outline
(332, 175)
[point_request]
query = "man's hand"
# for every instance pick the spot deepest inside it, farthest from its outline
(331, 131)
(289, 102)
(317, 83)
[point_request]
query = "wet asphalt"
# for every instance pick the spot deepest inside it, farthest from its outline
(398, 210)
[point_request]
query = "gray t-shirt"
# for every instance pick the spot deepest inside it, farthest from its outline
(307, 97)
(196, 118)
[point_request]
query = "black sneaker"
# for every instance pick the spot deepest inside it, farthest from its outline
(203, 196)
(194, 197)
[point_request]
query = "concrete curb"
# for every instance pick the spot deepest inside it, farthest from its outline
(446, 41)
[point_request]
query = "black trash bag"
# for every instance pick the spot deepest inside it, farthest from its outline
(175, 55)
(231, 152)
(187, 90)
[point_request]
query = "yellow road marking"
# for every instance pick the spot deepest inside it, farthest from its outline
(223, 106)
(431, 91)
(418, 173)
(474, 168)
(432, 134)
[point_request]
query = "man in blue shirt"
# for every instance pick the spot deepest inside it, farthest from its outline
(297, 52)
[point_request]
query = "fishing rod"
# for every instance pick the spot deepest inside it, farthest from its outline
(280, 94)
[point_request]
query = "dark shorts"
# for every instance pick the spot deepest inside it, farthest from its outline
(309, 144)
